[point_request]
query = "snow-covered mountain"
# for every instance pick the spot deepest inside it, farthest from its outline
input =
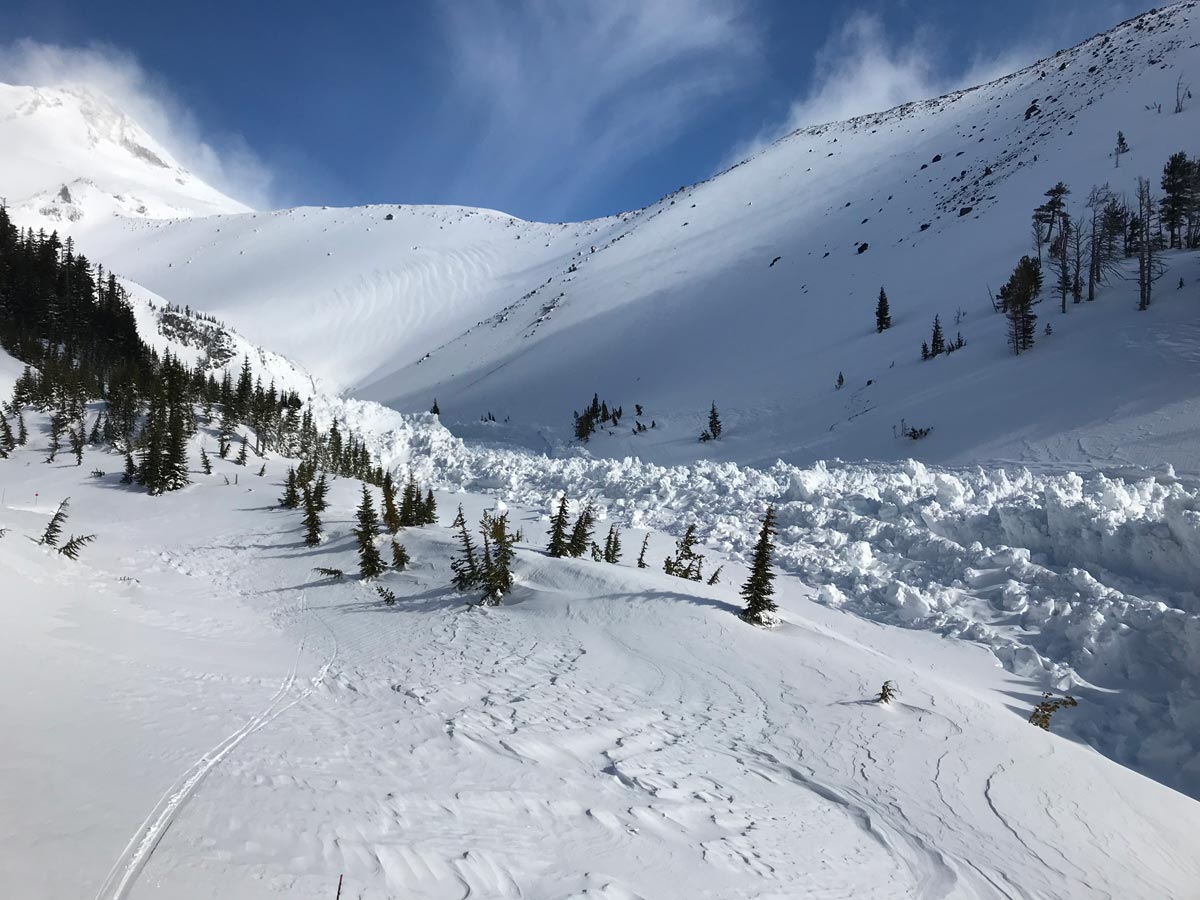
(70, 158)
(756, 288)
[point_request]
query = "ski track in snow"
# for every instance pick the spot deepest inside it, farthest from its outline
(141, 847)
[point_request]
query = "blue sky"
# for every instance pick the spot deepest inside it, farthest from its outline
(548, 109)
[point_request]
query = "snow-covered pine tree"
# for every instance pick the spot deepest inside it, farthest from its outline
(130, 469)
(498, 544)
(410, 503)
(54, 527)
(883, 315)
(641, 560)
(370, 564)
(758, 589)
(558, 546)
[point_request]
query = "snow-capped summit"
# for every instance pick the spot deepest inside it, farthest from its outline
(71, 155)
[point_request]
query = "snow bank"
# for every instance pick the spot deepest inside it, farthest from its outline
(1078, 582)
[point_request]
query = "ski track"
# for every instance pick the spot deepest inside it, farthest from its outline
(141, 846)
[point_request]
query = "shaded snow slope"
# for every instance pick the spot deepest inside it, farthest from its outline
(210, 716)
(71, 158)
(750, 289)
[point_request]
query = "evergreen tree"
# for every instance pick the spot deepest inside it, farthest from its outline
(400, 558)
(686, 563)
(612, 545)
(1122, 148)
(937, 342)
(924, 350)
(206, 466)
(312, 519)
(370, 565)
(841, 381)
(391, 516)
(130, 469)
(22, 431)
(410, 503)
(7, 442)
(429, 509)
(435, 409)
(714, 423)
(241, 457)
(883, 315)
(1177, 186)
(498, 544)
(291, 496)
(467, 573)
(558, 546)
(581, 533)
(1017, 298)
(78, 441)
(758, 589)
(320, 491)
(641, 560)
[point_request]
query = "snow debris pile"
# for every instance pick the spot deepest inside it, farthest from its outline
(1081, 582)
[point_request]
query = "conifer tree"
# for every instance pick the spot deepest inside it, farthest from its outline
(466, 569)
(498, 543)
(883, 316)
(758, 589)
(7, 442)
(312, 519)
(435, 409)
(410, 503)
(54, 527)
(558, 546)
(686, 563)
(391, 516)
(78, 440)
(714, 423)
(320, 492)
(206, 464)
(370, 565)
(130, 469)
(241, 457)
(399, 556)
(22, 431)
(841, 381)
(937, 342)
(641, 560)
(429, 509)
(581, 533)
(291, 496)
(612, 545)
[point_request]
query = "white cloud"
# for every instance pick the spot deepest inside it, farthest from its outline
(558, 92)
(224, 161)
(862, 69)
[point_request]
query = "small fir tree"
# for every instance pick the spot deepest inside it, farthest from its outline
(467, 572)
(714, 423)
(206, 467)
(429, 508)
(400, 558)
(558, 546)
(581, 533)
(758, 589)
(241, 457)
(641, 560)
(391, 515)
(370, 564)
(312, 519)
(841, 381)
(883, 315)
(612, 545)
(291, 496)
(937, 342)
(321, 493)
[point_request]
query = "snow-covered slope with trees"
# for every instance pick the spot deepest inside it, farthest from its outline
(72, 158)
(757, 288)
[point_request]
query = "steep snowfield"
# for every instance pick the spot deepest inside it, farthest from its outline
(209, 717)
(684, 302)
(72, 158)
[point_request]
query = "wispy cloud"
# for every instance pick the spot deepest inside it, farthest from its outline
(862, 69)
(558, 93)
(225, 161)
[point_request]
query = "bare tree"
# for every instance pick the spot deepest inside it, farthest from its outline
(1182, 92)
(1150, 267)
(1079, 246)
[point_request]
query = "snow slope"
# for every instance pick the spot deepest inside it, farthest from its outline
(211, 718)
(750, 289)
(72, 158)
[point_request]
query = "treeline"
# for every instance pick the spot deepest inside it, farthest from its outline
(1085, 251)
